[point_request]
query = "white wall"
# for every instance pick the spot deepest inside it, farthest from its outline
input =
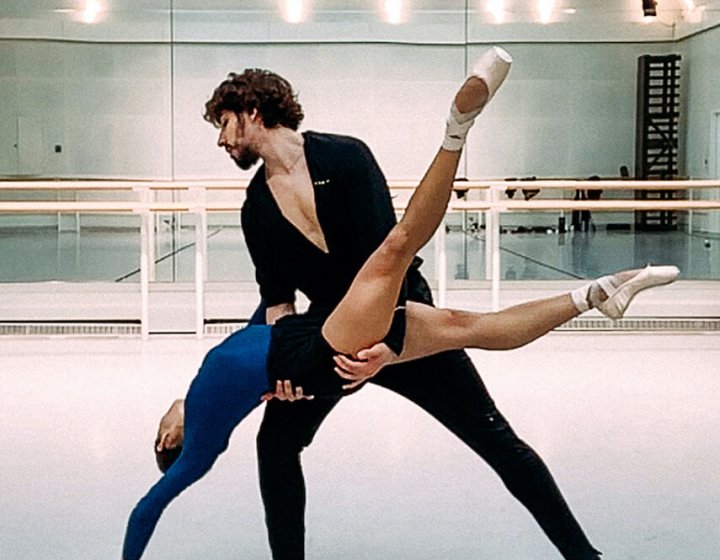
(108, 106)
(703, 100)
(394, 97)
(567, 110)
(8, 124)
(702, 75)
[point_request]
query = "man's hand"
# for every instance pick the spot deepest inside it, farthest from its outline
(284, 391)
(365, 365)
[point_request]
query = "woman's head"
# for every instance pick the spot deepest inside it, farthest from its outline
(169, 441)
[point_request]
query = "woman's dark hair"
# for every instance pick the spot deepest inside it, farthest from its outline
(166, 457)
(270, 94)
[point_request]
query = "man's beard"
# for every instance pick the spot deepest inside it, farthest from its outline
(246, 159)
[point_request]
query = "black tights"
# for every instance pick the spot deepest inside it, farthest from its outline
(449, 388)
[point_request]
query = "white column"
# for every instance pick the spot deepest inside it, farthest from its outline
(144, 275)
(492, 230)
(441, 264)
(200, 270)
(490, 219)
(146, 198)
(199, 195)
(496, 261)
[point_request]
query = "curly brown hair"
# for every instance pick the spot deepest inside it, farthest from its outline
(269, 93)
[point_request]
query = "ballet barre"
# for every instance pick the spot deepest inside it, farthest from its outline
(401, 184)
(493, 210)
(492, 204)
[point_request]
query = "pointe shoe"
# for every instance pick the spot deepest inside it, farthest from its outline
(492, 68)
(617, 303)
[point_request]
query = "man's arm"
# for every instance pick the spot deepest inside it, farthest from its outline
(273, 278)
(284, 390)
(274, 281)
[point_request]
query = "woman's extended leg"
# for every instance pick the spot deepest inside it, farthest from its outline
(430, 330)
(363, 316)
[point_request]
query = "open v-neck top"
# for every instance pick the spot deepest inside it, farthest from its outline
(355, 213)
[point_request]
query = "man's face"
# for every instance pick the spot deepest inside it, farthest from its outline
(234, 137)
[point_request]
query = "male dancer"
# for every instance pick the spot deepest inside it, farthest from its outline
(315, 210)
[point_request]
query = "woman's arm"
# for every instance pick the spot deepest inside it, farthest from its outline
(188, 469)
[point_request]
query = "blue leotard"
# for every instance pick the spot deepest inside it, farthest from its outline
(227, 388)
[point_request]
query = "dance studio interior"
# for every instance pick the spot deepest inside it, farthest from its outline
(123, 262)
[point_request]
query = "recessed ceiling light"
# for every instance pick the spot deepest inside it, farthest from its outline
(294, 11)
(394, 11)
(91, 13)
(497, 9)
(545, 10)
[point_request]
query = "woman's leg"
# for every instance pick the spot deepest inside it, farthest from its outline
(363, 316)
(430, 330)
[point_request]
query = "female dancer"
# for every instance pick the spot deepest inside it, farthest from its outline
(236, 374)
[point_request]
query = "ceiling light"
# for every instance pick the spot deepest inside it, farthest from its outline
(545, 10)
(497, 9)
(91, 13)
(394, 11)
(294, 11)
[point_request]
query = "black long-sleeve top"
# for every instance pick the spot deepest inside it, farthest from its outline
(355, 213)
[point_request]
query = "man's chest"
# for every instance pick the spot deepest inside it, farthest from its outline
(295, 198)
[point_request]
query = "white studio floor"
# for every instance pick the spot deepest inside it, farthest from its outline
(629, 425)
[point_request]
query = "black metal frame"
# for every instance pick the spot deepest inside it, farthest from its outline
(656, 134)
